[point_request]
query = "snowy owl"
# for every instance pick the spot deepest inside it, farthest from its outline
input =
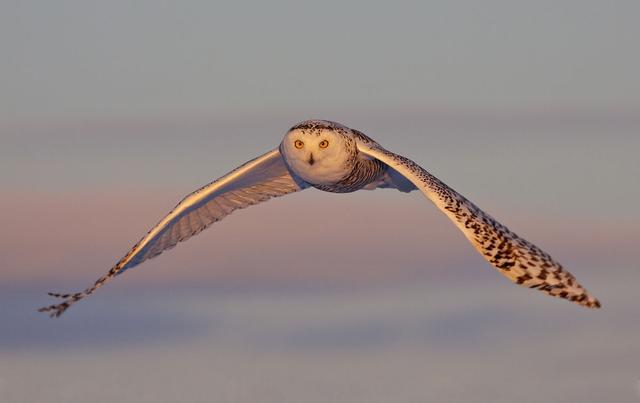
(334, 158)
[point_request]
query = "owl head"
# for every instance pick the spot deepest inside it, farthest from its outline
(319, 151)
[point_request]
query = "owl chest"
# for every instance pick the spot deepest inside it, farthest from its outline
(363, 173)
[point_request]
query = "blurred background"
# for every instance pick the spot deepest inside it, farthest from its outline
(110, 112)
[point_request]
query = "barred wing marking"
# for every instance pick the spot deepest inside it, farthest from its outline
(256, 181)
(517, 259)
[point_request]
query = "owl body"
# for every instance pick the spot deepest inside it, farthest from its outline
(324, 155)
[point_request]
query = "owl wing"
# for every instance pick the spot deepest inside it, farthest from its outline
(256, 181)
(516, 258)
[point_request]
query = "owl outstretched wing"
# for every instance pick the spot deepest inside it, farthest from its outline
(256, 181)
(516, 258)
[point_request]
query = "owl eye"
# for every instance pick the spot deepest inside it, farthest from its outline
(324, 144)
(299, 144)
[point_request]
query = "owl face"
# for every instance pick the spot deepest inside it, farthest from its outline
(321, 154)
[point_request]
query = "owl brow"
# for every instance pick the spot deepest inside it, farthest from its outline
(314, 128)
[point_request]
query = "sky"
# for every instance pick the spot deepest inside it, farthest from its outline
(111, 112)
(72, 60)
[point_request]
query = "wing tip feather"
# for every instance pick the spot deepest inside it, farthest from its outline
(592, 303)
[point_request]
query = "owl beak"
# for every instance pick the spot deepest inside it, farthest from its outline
(311, 160)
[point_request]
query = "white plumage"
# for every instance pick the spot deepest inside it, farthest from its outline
(334, 158)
